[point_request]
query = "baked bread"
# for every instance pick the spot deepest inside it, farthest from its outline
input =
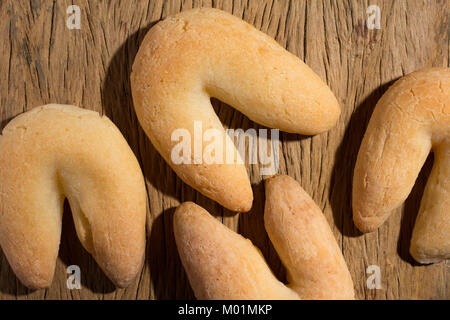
(197, 54)
(221, 264)
(305, 243)
(411, 119)
(58, 151)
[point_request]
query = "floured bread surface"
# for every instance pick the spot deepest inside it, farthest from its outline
(59, 151)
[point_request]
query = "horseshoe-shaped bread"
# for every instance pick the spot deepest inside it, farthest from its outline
(221, 264)
(58, 151)
(202, 53)
(411, 119)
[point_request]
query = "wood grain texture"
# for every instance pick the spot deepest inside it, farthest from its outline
(43, 61)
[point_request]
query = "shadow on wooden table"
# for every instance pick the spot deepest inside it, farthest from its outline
(4, 122)
(72, 252)
(410, 212)
(167, 273)
(251, 226)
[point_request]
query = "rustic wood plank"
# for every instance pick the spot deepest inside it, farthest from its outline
(45, 62)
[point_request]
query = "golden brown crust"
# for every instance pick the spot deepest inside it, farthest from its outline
(411, 119)
(221, 264)
(202, 53)
(58, 151)
(305, 243)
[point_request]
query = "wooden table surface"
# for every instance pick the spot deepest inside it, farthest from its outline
(43, 61)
